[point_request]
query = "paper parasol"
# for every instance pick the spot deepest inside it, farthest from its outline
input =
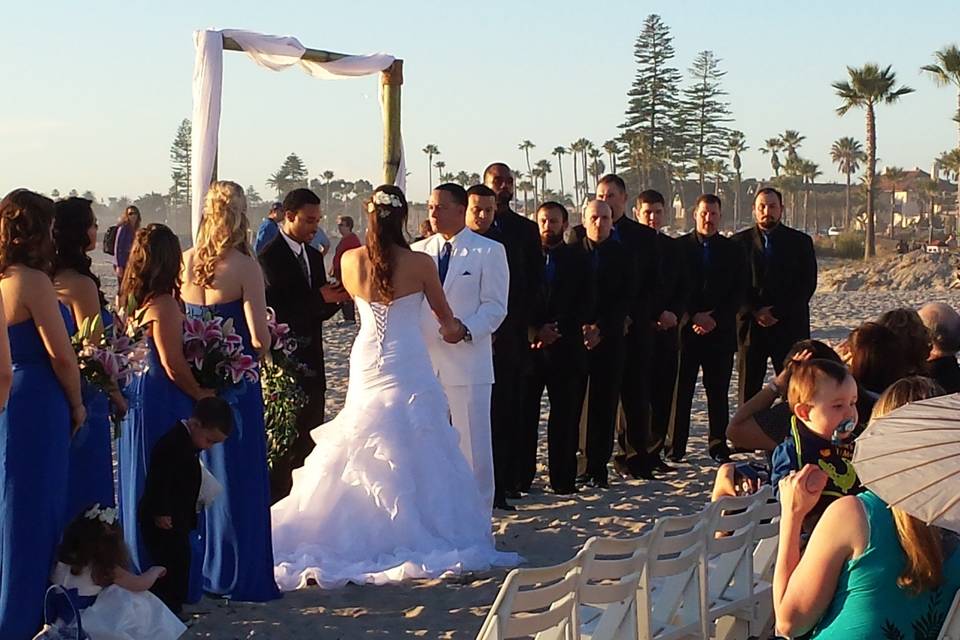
(911, 459)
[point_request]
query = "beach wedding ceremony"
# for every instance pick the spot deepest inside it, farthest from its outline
(507, 320)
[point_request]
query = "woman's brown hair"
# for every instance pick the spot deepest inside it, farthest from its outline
(94, 544)
(876, 357)
(386, 224)
(26, 219)
(913, 336)
(922, 543)
(154, 265)
(223, 227)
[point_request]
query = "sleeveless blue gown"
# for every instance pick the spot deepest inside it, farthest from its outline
(155, 405)
(238, 560)
(91, 460)
(34, 463)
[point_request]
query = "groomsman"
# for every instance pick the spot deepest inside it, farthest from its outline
(475, 277)
(615, 276)
(782, 278)
(558, 349)
(671, 304)
(521, 236)
(708, 337)
(641, 241)
(505, 397)
(296, 288)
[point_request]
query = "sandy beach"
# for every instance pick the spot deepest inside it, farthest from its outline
(546, 529)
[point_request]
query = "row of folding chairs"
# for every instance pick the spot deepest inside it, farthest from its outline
(691, 577)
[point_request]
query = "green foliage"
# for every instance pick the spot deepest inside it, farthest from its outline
(846, 245)
(180, 165)
(705, 112)
(282, 400)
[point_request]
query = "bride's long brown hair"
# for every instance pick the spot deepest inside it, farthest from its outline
(386, 227)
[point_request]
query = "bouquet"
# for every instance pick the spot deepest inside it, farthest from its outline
(214, 351)
(282, 395)
(108, 362)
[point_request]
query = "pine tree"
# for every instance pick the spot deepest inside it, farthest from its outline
(706, 112)
(180, 165)
(653, 100)
(294, 172)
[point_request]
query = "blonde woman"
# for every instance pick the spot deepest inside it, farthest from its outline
(869, 570)
(222, 277)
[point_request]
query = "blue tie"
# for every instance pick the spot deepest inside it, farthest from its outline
(706, 253)
(767, 247)
(550, 269)
(444, 262)
(615, 233)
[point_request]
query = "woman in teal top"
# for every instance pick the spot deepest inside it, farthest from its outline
(869, 571)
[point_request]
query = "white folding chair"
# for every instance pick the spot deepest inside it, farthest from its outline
(537, 603)
(671, 597)
(951, 626)
(608, 588)
(766, 534)
(730, 575)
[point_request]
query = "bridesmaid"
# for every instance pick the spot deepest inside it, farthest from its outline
(223, 278)
(165, 392)
(78, 288)
(45, 405)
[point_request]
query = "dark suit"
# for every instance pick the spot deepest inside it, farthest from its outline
(671, 296)
(568, 300)
(615, 272)
(782, 276)
(946, 372)
(511, 349)
(716, 286)
(635, 385)
(299, 304)
(171, 489)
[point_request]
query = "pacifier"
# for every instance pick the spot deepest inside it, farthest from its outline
(842, 429)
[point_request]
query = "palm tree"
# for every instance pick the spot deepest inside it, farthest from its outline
(612, 149)
(525, 146)
(791, 142)
(772, 146)
(894, 176)
(737, 144)
(525, 186)
(867, 87)
(276, 181)
(575, 154)
(928, 190)
(809, 172)
(946, 71)
(431, 150)
(595, 154)
(545, 168)
(702, 167)
(559, 153)
(328, 178)
(463, 179)
(536, 176)
(847, 154)
(440, 165)
(475, 178)
(950, 161)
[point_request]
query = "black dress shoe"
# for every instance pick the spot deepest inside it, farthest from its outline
(513, 494)
(720, 454)
(663, 467)
(674, 458)
(503, 505)
(583, 478)
(599, 483)
(566, 491)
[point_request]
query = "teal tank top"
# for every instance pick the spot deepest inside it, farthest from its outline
(868, 604)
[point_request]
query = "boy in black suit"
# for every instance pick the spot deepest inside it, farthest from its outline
(168, 508)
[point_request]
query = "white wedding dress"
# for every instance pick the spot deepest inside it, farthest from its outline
(386, 494)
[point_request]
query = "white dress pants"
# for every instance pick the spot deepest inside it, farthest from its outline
(470, 414)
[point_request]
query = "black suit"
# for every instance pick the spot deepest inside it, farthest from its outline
(171, 489)
(946, 372)
(782, 276)
(715, 286)
(615, 272)
(299, 304)
(635, 385)
(568, 300)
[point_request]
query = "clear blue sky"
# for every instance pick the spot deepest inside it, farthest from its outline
(93, 92)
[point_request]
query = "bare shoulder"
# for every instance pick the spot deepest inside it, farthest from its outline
(74, 283)
(354, 256)
(844, 524)
(162, 308)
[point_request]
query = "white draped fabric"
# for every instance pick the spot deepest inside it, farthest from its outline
(276, 53)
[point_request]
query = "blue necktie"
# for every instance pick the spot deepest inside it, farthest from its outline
(615, 233)
(444, 262)
(550, 269)
(706, 253)
(767, 247)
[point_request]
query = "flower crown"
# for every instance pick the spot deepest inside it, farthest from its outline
(106, 515)
(385, 199)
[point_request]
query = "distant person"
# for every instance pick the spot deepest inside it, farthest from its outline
(269, 227)
(424, 231)
(782, 277)
(321, 242)
(129, 223)
(348, 240)
(708, 337)
(943, 323)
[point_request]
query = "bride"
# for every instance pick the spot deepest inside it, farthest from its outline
(386, 494)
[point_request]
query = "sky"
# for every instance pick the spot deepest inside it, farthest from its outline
(93, 92)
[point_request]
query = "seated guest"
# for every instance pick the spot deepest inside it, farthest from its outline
(876, 357)
(943, 323)
(913, 336)
(869, 570)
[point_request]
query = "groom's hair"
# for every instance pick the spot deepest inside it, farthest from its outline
(298, 198)
(455, 190)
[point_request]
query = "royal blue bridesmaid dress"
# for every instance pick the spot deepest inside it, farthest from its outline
(34, 464)
(238, 559)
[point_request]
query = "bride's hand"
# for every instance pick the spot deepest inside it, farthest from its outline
(452, 331)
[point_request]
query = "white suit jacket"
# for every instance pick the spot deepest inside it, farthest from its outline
(476, 288)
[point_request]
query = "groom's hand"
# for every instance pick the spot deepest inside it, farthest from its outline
(454, 332)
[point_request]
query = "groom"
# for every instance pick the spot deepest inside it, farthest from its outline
(475, 278)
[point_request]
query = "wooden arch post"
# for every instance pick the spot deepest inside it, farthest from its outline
(391, 80)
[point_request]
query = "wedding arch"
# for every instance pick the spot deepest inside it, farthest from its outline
(278, 53)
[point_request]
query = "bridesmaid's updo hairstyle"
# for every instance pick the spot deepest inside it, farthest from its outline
(72, 220)
(223, 227)
(154, 265)
(386, 225)
(25, 220)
